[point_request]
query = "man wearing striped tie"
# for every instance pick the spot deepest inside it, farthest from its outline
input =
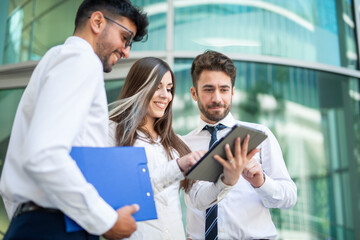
(236, 209)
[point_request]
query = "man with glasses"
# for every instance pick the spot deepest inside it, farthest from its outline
(64, 105)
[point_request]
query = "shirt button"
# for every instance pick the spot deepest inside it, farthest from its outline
(221, 230)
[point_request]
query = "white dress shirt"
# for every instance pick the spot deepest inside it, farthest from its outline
(64, 105)
(243, 212)
(165, 178)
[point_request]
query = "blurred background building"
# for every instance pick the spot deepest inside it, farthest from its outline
(298, 74)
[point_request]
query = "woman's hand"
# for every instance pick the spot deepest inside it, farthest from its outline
(189, 160)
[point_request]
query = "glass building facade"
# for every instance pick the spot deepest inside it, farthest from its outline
(298, 74)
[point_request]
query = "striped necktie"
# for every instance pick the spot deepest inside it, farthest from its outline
(211, 230)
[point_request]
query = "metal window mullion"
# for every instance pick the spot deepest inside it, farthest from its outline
(170, 33)
(32, 30)
(357, 29)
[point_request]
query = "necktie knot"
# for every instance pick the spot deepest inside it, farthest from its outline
(213, 132)
(213, 129)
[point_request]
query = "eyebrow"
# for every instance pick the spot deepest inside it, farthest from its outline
(212, 86)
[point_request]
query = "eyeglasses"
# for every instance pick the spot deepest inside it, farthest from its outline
(129, 38)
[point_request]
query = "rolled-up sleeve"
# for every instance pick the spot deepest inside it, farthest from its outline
(204, 194)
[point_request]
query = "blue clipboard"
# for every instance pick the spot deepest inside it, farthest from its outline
(121, 177)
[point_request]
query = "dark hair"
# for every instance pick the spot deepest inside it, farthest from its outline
(114, 9)
(131, 107)
(212, 61)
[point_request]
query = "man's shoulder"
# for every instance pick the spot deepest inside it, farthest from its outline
(75, 54)
(64, 51)
(257, 126)
(195, 140)
(191, 134)
(192, 138)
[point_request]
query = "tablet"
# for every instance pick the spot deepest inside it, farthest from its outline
(209, 169)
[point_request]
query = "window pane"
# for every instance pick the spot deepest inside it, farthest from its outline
(113, 89)
(311, 30)
(156, 10)
(36, 26)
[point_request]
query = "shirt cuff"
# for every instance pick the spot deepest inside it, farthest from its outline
(267, 189)
(103, 217)
(222, 188)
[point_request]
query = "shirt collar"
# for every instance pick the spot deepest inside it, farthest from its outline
(228, 121)
(143, 137)
(79, 42)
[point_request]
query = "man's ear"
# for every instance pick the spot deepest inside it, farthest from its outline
(97, 22)
(193, 93)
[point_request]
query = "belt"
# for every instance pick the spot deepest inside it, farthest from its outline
(30, 206)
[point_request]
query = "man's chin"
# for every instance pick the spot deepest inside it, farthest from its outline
(215, 117)
(215, 113)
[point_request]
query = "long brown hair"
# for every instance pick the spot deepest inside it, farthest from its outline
(130, 109)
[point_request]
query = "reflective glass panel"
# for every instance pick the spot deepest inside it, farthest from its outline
(310, 30)
(113, 89)
(156, 11)
(35, 26)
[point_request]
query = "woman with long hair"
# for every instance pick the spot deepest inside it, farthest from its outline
(142, 117)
